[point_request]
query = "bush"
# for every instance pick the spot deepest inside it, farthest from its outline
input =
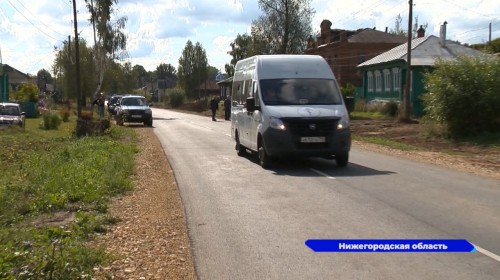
(65, 113)
(390, 109)
(51, 121)
(463, 95)
(176, 97)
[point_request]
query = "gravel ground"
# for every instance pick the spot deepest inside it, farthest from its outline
(151, 240)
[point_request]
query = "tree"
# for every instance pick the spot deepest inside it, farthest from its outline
(284, 26)
(43, 78)
(164, 71)
(139, 75)
(493, 47)
(463, 94)
(398, 29)
(193, 68)
(242, 47)
(109, 40)
(64, 63)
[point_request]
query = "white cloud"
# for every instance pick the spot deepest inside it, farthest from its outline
(159, 29)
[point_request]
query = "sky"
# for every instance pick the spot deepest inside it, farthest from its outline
(158, 30)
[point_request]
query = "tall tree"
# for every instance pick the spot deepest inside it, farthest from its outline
(109, 40)
(43, 78)
(242, 47)
(165, 70)
(193, 68)
(65, 61)
(139, 74)
(284, 26)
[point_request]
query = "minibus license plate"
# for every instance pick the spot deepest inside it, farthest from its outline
(312, 139)
(136, 116)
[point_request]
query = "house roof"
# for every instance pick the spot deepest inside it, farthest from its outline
(368, 35)
(424, 52)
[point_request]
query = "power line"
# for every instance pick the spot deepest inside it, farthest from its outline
(40, 21)
(48, 35)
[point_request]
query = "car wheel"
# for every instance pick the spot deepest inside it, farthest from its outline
(149, 123)
(264, 159)
(240, 149)
(342, 159)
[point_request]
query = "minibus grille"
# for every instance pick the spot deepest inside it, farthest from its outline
(311, 127)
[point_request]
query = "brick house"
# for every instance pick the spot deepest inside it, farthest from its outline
(345, 49)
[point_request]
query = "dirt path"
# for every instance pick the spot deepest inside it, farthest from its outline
(151, 240)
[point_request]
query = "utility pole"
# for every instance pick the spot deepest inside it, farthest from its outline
(489, 37)
(77, 50)
(406, 97)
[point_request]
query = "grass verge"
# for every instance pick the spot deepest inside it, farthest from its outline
(48, 174)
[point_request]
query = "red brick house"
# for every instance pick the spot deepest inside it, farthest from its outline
(345, 49)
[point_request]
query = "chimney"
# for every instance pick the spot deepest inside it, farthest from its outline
(442, 34)
(420, 32)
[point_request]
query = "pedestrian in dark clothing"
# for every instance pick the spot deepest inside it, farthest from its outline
(227, 108)
(100, 105)
(214, 106)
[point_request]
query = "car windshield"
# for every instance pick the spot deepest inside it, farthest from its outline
(10, 110)
(133, 101)
(300, 92)
(114, 100)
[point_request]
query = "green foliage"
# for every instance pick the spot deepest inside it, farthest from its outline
(176, 96)
(390, 109)
(50, 120)
(193, 68)
(348, 90)
(26, 93)
(53, 172)
(463, 95)
(284, 25)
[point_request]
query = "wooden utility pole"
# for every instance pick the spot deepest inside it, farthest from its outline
(77, 50)
(405, 117)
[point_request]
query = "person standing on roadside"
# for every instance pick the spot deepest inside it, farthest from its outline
(227, 108)
(214, 106)
(100, 105)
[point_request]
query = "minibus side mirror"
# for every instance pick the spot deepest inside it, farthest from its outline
(250, 105)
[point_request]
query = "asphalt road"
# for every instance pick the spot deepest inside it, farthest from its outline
(249, 223)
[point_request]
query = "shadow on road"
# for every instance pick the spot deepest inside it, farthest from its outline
(316, 167)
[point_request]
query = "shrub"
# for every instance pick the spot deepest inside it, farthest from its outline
(51, 121)
(463, 95)
(65, 113)
(176, 97)
(390, 109)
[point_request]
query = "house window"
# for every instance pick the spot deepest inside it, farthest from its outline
(387, 80)
(396, 79)
(369, 81)
(378, 81)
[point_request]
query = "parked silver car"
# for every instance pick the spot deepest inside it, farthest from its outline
(11, 114)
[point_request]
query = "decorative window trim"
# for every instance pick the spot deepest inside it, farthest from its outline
(378, 81)
(387, 80)
(370, 81)
(396, 78)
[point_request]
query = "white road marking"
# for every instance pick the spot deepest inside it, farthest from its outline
(487, 253)
(323, 174)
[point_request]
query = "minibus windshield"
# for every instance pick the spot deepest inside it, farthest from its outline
(300, 92)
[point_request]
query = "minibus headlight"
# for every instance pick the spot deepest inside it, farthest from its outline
(343, 123)
(276, 123)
